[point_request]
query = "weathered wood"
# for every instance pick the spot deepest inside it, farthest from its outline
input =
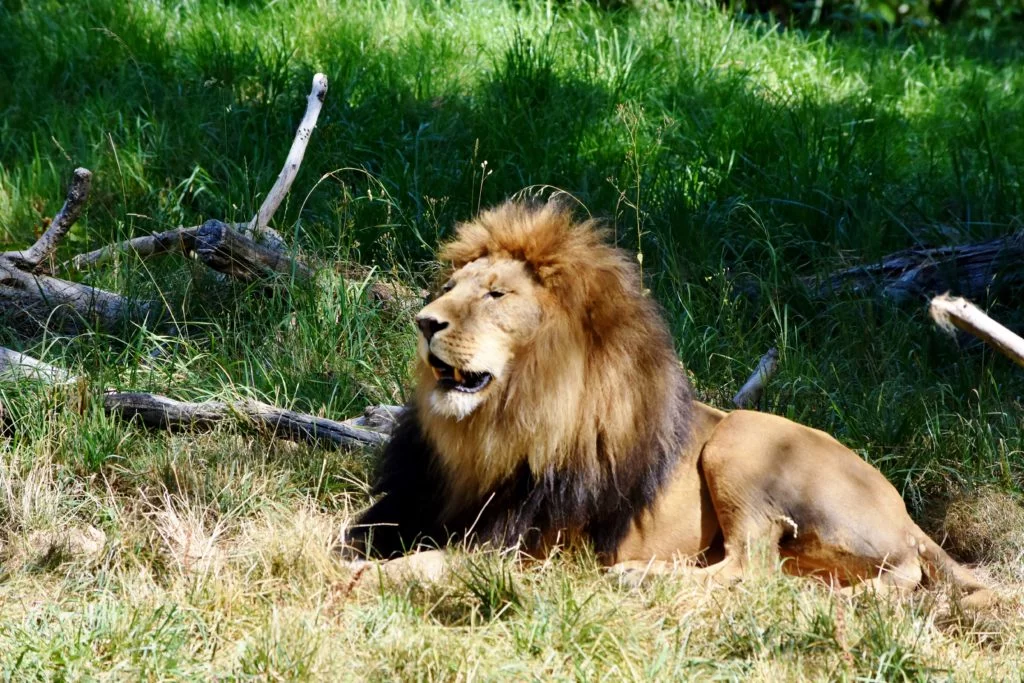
(179, 240)
(259, 226)
(161, 412)
(229, 251)
(34, 257)
(19, 288)
(382, 418)
(750, 393)
(15, 365)
(971, 270)
(955, 312)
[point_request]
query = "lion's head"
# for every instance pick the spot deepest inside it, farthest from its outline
(549, 396)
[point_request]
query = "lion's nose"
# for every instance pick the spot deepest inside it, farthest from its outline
(430, 326)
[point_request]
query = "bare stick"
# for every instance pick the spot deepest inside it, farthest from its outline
(954, 312)
(15, 366)
(259, 225)
(160, 412)
(78, 193)
(750, 393)
(168, 242)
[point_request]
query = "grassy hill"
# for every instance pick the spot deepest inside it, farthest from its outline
(742, 162)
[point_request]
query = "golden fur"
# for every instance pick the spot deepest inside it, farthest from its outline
(551, 407)
(581, 377)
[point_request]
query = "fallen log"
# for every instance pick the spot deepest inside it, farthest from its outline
(228, 251)
(26, 290)
(243, 250)
(160, 412)
(971, 270)
(34, 293)
(951, 313)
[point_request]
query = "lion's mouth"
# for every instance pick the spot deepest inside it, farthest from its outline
(449, 378)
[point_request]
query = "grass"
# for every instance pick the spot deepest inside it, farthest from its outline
(736, 158)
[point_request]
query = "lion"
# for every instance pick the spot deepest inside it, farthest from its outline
(551, 410)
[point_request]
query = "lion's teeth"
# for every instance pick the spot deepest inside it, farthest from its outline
(437, 373)
(458, 375)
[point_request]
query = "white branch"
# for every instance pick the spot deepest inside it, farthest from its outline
(949, 312)
(259, 225)
(750, 393)
(15, 366)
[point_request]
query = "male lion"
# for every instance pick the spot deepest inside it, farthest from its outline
(551, 408)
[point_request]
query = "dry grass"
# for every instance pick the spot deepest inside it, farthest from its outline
(191, 585)
(740, 159)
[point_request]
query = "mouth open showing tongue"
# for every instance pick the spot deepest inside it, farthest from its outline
(453, 379)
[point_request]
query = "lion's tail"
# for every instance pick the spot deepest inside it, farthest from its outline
(940, 567)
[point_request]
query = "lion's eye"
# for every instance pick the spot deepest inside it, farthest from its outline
(449, 286)
(495, 294)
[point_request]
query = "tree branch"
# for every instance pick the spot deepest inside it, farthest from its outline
(259, 225)
(78, 193)
(179, 240)
(750, 393)
(160, 412)
(949, 312)
(16, 366)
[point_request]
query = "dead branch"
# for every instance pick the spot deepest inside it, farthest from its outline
(18, 366)
(33, 294)
(225, 249)
(955, 312)
(179, 240)
(750, 393)
(161, 412)
(381, 418)
(259, 225)
(971, 270)
(78, 194)
(229, 247)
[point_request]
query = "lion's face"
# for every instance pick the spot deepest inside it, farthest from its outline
(469, 335)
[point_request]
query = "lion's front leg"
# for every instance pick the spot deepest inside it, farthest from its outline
(426, 566)
(634, 572)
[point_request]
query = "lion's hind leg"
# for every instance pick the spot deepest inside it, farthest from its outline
(754, 546)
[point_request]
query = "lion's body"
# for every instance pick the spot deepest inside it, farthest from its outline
(551, 408)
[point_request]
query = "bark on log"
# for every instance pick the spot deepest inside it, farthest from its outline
(750, 393)
(229, 251)
(33, 258)
(259, 226)
(32, 294)
(381, 418)
(954, 312)
(971, 270)
(161, 412)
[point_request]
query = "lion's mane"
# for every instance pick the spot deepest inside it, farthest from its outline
(586, 430)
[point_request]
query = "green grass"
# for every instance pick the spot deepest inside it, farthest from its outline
(739, 159)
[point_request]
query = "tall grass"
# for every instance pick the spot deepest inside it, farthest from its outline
(740, 160)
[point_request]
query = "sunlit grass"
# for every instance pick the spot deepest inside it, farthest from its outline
(739, 159)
